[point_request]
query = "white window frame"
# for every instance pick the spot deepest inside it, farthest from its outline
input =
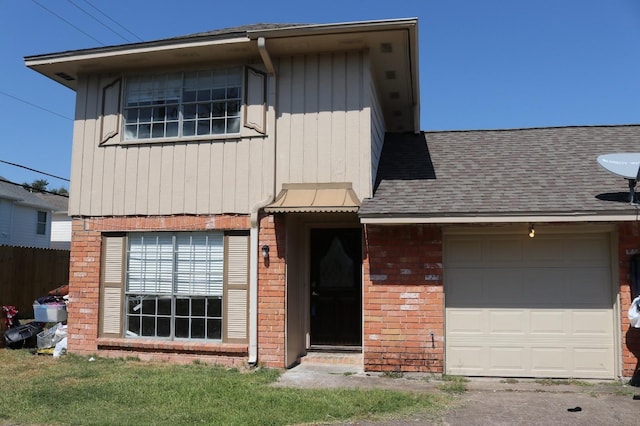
(41, 226)
(192, 98)
(174, 285)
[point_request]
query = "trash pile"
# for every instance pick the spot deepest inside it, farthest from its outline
(48, 330)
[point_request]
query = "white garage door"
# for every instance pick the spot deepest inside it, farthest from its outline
(529, 307)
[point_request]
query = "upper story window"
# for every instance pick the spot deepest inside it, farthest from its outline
(41, 225)
(183, 105)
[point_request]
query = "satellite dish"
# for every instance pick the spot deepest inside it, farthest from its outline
(626, 165)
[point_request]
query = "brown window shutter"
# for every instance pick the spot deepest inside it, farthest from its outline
(110, 117)
(112, 285)
(255, 99)
(236, 289)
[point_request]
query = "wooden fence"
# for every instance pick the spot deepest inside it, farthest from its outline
(29, 273)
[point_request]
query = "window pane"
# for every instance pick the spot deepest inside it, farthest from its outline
(164, 327)
(130, 132)
(197, 328)
(148, 326)
(182, 328)
(233, 108)
(149, 306)
(145, 114)
(218, 126)
(219, 94)
(144, 131)
(218, 109)
(189, 111)
(134, 326)
(172, 129)
(198, 307)
(233, 92)
(204, 95)
(164, 306)
(203, 127)
(214, 329)
(204, 110)
(159, 113)
(158, 130)
(130, 115)
(214, 307)
(234, 125)
(182, 307)
(189, 128)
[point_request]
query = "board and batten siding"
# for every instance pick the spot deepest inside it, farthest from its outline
(378, 130)
(324, 120)
(186, 177)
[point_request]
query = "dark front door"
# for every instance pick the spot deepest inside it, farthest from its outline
(336, 287)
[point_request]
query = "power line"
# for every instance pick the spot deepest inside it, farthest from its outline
(99, 21)
(34, 105)
(112, 20)
(67, 22)
(34, 170)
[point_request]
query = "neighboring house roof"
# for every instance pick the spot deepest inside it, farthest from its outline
(59, 203)
(453, 176)
(16, 193)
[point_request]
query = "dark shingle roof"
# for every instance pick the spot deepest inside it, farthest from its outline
(17, 193)
(501, 172)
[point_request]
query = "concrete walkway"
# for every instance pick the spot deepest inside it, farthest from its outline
(489, 401)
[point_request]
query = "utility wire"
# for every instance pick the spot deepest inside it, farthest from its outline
(34, 105)
(99, 21)
(112, 20)
(34, 170)
(67, 22)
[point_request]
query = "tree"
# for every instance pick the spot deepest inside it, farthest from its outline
(38, 185)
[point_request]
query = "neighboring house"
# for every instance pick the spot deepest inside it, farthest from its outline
(253, 194)
(60, 220)
(25, 218)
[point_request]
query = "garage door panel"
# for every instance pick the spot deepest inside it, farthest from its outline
(588, 323)
(549, 323)
(529, 307)
(466, 322)
(511, 322)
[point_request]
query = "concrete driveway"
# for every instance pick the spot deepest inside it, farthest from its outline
(490, 401)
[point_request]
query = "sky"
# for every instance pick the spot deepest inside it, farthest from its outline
(489, 64)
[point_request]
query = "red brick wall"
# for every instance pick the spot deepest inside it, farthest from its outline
(403, 299)
(84, 289)
(629, 244)
(272, 293)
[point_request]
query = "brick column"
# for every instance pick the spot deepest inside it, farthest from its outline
(272, 293)
(84, 289)
(629, 244)
(403, 299)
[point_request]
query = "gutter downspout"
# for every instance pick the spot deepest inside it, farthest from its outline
(253, 233)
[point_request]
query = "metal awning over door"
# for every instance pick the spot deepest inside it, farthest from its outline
(315, 198)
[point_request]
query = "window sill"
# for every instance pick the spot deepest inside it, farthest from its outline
(143, 345)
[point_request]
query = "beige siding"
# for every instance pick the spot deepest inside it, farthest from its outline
(324, 120)
(192, 177)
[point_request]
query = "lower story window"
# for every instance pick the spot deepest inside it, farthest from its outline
(174, 285)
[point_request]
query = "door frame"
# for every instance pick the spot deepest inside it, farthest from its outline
(307, 272)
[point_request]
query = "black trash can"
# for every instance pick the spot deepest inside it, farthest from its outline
(23, 336)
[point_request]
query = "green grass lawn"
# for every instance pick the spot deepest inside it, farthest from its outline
(39, 389)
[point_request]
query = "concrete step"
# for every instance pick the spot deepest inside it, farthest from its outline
(333, 358)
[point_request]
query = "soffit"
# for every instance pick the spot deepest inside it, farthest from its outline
(315, 198)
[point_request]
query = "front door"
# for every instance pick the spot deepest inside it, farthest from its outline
(336, 287)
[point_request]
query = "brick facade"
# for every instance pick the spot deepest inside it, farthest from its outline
(84, 291)
(403, 299)
(403, 295)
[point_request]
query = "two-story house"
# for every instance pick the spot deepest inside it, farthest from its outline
(253, 194)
